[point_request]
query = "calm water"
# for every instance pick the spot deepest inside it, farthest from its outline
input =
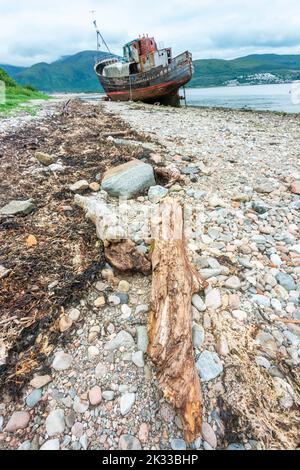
(284, 97)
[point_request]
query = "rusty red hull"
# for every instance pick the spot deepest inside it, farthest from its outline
(160, 84)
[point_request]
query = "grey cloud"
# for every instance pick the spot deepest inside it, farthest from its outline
(33, 31)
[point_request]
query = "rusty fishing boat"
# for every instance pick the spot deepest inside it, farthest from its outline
(145, 73)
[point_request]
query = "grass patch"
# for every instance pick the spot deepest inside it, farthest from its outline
(16, 95)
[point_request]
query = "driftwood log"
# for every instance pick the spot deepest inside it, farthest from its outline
(175, 280)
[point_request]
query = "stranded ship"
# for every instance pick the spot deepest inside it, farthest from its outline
(145, 73)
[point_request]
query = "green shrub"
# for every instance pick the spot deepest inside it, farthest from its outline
(4, 77)
(31, 88)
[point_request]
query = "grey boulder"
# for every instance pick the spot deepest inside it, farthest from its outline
(18, 207)
(129, 179)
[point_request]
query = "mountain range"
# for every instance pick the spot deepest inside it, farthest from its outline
(75, 73)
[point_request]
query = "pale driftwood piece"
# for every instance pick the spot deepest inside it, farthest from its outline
(175, 280)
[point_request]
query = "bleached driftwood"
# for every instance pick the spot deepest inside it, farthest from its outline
(175, 280)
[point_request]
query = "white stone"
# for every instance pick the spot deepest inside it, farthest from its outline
(213, 299)
(138, 359)
(55, 423)
(239, 315)
(209, 366)
(74, 314)
(126, 403)
(52, 444)
(62, 361)
(122, 339)
(198, 303)
(93, 352)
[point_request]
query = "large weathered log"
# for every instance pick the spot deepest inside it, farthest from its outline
(175, 280)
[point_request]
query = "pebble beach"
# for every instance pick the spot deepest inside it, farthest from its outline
(240, 188)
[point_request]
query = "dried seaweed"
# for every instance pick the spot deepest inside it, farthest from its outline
(68, 252)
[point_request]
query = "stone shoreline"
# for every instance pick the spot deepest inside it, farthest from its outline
(242, 176)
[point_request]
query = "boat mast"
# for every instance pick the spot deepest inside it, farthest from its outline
(100, 37)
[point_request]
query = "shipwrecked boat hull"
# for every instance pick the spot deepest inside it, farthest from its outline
(160, 84)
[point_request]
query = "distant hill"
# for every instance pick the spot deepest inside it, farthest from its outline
(75, 73)
(69, 74)
(253, 69)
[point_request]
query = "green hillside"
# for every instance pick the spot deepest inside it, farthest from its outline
(15, 95)
(253, 69)
(76, 73)
(68, 74)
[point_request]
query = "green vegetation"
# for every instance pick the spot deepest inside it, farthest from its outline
(16, 95)
(70, 74)
(76, 73)
(253, 69)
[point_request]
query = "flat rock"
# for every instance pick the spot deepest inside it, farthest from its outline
(62, 361)
(19, 420)
(18, 208)
(129, 179)
(209, 366)
(144, 432)
(95, 187)
(95, 396)
(266, 340)
(236, 447)
(56, 168)
(295, 249)
(74, 314)
(40, 381)
(55, 423)
(198, 336)
(34, 397)
(25, 446)
(213, 299)
(93, 352)
(239, 315)
(126, 403)
(79, 186)
(198, 303)
(80, 406)
(77, 430)
(142, 338)
(122, 339)
(208, 435)
(222, 346)
(45, 158)
(284, 392)
(276, 260)
(124, 287)
(260, 207)
(108, 395)
(65, 323)
(178, 444)
(286, 281)
(262, 300)
(295, 187)
(100, 370)
(138, 359)
(128, 442)
(52, 444)
(233, 283)
(263, 362)
(4, 272)
(156, 194)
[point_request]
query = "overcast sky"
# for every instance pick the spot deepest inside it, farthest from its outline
(43, 30)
